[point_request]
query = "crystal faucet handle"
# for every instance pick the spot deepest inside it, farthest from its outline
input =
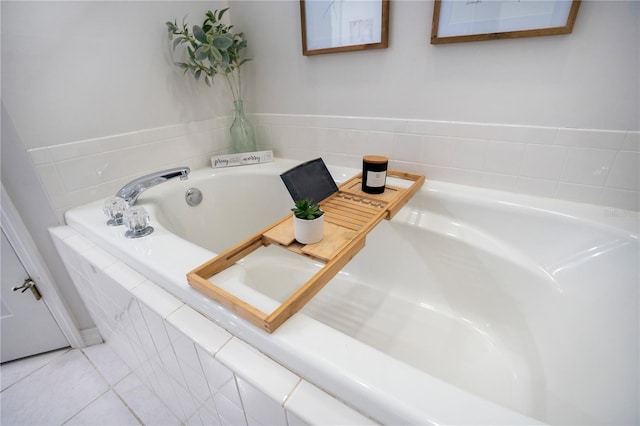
(137, 221)
(114, 208)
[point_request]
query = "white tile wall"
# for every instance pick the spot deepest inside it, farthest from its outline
(189, 364)
(81, 171)
(203, 374)
(221, 380)
(586, 165)
(624, 171)
(311, 405)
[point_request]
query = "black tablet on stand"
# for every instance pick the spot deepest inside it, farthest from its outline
(310, 180)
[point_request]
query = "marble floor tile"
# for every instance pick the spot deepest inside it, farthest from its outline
(54, 393)
(206, 416)
(11, 372)
(89, 386)
(147, 406)
(107, 363)
(107, 410)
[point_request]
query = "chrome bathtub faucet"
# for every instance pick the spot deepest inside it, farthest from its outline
(131, 191)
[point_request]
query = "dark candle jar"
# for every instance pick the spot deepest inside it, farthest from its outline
(374, 173)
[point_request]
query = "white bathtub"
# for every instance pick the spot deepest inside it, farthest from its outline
(471, 306)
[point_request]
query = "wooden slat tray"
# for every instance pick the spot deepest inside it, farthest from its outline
(350, 214)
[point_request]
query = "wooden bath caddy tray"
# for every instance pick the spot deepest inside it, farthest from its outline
(349, 214)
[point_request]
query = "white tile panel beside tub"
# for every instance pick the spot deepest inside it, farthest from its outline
(200, 372)
(201, 330)
(602, 163)
(477, 154)
(80, 171)
(311, 405)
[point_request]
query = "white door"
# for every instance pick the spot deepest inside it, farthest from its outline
(26, 324)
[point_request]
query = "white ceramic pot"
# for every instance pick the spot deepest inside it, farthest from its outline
(308, 231)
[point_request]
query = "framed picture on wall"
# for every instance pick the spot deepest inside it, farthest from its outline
(475, 20)
(330, 26)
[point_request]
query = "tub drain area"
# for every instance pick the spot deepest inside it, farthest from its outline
(193, 196)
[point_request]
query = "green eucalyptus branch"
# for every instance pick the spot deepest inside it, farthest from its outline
(212, 49)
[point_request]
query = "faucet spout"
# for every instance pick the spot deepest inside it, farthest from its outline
(131, 191)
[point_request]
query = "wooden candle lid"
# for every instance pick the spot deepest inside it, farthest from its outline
(375, 159)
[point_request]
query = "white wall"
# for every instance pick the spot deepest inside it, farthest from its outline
(82, 69)
(588, 79)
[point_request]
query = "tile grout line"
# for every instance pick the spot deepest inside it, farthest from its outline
(87, 405)
(66, 350)
(110, 387)
(131, 410)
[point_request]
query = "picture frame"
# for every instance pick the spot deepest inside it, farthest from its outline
(476, 20)
(330, 26)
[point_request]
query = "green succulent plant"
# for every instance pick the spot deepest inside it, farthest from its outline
(212, 49)
(305, 209)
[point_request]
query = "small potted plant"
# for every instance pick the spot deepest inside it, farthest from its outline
(308, 222)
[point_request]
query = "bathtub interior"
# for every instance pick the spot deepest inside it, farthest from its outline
(476, 319)
(231, 209)
(518, 305)
(257, 199)
(453, 322)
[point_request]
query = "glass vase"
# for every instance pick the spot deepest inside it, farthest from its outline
(243, 135)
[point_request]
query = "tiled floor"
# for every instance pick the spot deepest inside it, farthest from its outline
(77, 387)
